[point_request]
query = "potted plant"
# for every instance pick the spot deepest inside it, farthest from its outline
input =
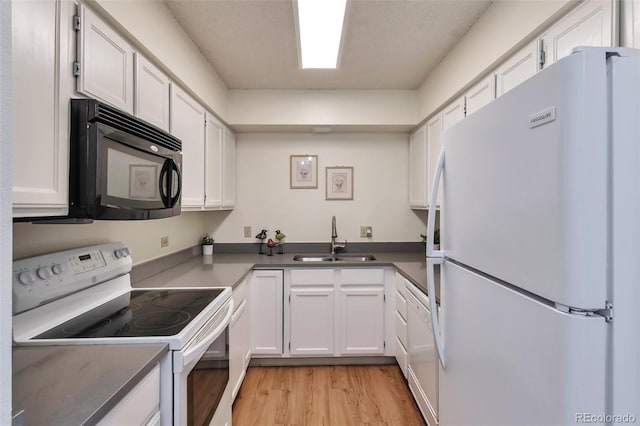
(207, 244)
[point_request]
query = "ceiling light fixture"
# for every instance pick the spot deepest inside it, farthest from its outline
(320, 30)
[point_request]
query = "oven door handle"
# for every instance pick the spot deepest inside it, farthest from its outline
(204, 339)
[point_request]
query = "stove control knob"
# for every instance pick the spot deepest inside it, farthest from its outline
(57, 269)
(118, 253)
(27, 278)
(44, 273)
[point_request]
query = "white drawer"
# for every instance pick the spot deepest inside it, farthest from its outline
(401, 305)
(401, 329)
(312, 276)
(361, 276)
(239, 294)
(401, 284)
(401, 357)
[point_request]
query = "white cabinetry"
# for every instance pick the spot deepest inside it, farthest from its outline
(311, 312)
(219, 169)
(401, 323)
(589, 24)
(266, 289)
(453, 113)
(152, 93)
(434, 133)
(43, 50)
(187, 124)
(239, 338)
(141, 406)
(517, 68)
(106, 62)
(480, 95)
(362, 320)
(228, 169)
(418, 179)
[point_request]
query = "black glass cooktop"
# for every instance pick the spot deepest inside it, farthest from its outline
(136, 314)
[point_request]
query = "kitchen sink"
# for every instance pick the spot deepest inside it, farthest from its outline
(344, 257)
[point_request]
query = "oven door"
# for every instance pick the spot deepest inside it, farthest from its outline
(201, 373)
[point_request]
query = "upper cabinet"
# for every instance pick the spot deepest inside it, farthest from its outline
(479, 95)
(517, 68)
(453, 113)
(43, 51)
(589, 24)
(434, 132)
(418, 188)
(152, 93)
(213, 163)
(188, 125)
(228, 169)
(105, 61)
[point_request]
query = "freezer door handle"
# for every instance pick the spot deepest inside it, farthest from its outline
(431, 220)
(431, 287)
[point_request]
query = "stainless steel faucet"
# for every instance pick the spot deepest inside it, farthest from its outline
(334, 234)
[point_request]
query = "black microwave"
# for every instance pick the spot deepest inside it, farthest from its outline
(121, 167)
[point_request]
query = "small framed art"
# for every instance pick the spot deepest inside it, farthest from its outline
(303, 172)
(339, 185)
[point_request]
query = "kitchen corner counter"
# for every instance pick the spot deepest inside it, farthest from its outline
(77, 384)
(228, 269)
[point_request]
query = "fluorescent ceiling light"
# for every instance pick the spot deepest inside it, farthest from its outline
(320, 26)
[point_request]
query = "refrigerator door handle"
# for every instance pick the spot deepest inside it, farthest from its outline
(431, 288)
(431, 220)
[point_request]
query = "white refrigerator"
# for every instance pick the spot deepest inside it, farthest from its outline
(540, 250)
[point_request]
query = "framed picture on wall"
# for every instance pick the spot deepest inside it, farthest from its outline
(339, 185)
(303, 172)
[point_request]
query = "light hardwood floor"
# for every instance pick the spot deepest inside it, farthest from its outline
(327, 395)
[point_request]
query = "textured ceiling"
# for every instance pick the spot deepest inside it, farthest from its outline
(390, 44)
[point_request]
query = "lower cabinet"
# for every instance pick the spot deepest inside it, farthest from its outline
(239, 338)
(141, 406)
(266, 291)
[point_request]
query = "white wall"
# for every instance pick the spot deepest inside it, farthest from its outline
(142, 237)
(264, 199)
(5, 212)
(502, 29)
(152, 25)
(378, 108)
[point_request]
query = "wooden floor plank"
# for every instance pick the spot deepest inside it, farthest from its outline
(325, 395)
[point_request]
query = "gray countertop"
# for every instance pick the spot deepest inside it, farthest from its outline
(77, 384)
(227, 269)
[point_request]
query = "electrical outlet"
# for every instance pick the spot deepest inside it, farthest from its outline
(164, 241)
(247, 232)
(366, 231)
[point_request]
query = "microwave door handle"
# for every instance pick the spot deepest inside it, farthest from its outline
(165, 185)
(174, 168)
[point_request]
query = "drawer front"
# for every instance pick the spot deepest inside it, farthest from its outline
(401, 284)
(401, 357)
(312, 276)
(239, 294)
(362, 276)
(401, 305)
(401, 330)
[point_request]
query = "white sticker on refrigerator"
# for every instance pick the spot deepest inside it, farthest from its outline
(543, 117)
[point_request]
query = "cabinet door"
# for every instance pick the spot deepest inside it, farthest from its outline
(213, 163)
(453, 113)
(362, 320)
(418, 178)
(266, 312)
(517, 68)
(152, 93)
(434, 131)
(187, 124)
(589, 24)
(228, 169)
(238, 333)
(311, 320)
(106, 62)
(480, 95)
(42, 84)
